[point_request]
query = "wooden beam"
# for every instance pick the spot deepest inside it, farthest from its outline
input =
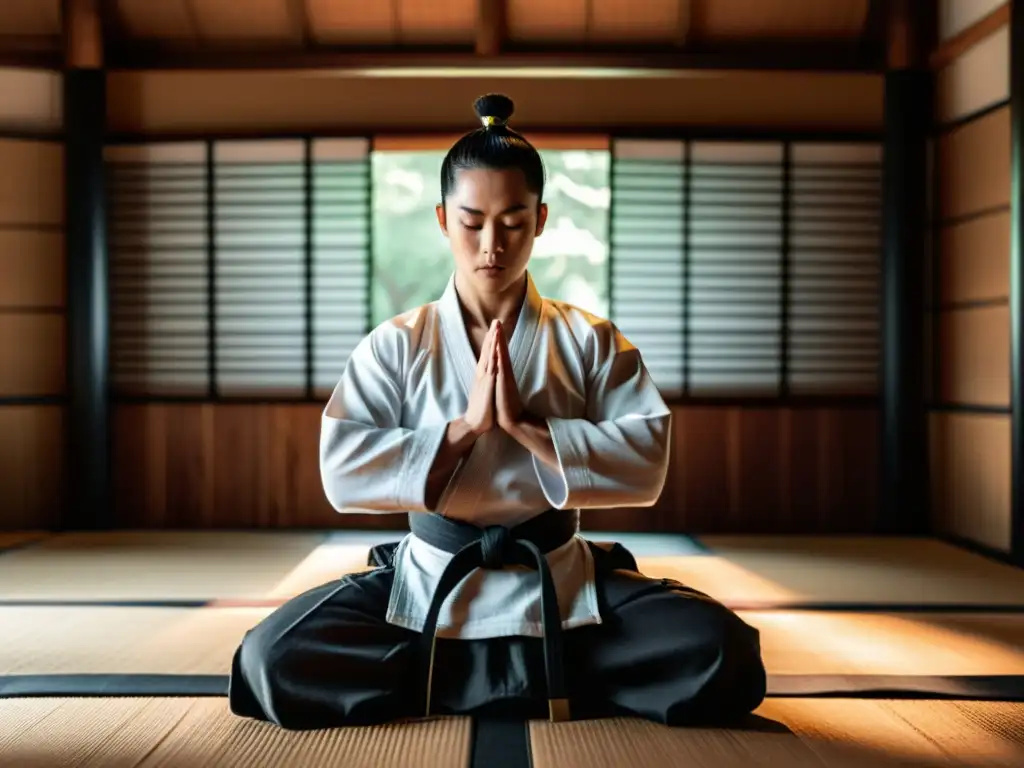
(193, 19)
(812, 57)
(298, 15)
(957, 45)
(83, 34)
(684, 22)
(32, 59)
(490, 27)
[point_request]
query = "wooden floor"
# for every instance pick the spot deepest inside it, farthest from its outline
(178, 603)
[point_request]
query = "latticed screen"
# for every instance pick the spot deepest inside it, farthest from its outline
(748, 268)
(238, 268)
(243, 268)
(159, 248)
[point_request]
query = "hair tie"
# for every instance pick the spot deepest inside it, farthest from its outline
(490, 120)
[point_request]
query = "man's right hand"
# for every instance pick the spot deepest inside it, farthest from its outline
(480, 414)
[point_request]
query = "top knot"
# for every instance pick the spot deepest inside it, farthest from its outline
(494, 109)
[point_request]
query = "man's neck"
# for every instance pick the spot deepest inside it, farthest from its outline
(480, 309)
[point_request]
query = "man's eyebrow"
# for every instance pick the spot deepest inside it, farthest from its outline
(510, 209)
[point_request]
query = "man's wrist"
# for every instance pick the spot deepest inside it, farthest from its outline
(461, 433)
(518, 427)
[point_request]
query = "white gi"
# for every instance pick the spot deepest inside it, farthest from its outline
(387, 417)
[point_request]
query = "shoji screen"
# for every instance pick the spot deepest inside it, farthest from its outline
(969, 292)
(159, 239)
(648, 255)
(260, 275)
(340, 253)
(240, 268)
(749, 268)
(834, 241)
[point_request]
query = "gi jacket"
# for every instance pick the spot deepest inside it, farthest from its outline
(388, 414)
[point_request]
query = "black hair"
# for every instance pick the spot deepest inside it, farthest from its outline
(494, 146)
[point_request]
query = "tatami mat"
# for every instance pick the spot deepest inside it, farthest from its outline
(747, 571)
(795, 733)
(11, 539)
(822, 643)
(187, 733)
(798, 733)
(910, 734)
(69, 640)
(742, 571)
(66, 640)
(139, 565)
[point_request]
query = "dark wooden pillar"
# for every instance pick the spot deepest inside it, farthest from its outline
(908, 113)
(88, 434)
(1017, 280)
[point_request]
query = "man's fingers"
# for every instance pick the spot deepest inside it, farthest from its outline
(487, 349)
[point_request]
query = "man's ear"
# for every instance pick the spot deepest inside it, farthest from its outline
(442, 219)
(542, 218)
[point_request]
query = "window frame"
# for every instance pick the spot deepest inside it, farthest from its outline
(557, 136)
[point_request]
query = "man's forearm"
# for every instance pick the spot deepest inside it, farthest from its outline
(533, 434)
(458, 440)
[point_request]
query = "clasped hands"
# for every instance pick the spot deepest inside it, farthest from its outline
(494, 399)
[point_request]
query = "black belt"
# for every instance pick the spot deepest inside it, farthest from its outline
(495, 547)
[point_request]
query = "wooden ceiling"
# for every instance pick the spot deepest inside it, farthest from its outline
(272, 33)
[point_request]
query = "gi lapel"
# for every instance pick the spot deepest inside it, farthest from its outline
(456, 337)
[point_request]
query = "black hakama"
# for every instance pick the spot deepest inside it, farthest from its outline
(664, 652)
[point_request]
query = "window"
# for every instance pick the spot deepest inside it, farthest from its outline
(748, 268)
(251, 268)
(411, 258)
(239, 268)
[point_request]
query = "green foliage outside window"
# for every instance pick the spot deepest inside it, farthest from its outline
(411, 258)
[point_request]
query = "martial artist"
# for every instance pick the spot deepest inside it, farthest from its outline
(491, 417)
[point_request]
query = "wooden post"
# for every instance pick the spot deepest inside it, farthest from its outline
(89, 501)
(908, 113)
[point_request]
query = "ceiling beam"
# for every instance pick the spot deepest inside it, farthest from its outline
(684, 23)
(83, 34)
(807, 57)
(490, 26)
(192, 12)
(15, 59)
(298, 16)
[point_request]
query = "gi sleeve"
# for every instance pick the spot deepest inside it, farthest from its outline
(617, 455)
(368, 461)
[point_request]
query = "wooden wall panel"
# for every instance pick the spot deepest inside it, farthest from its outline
(31, 269)
(955, 16)
(30, 100)
(974, 259)
(223, 466)
(196, 102)
(32, 184)
(974, 356)
(31, 354)
(976, 80)
(974, 166)
(31, 465)
(970, 473)
(32, 289)
(969, 447)
(732, 470)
